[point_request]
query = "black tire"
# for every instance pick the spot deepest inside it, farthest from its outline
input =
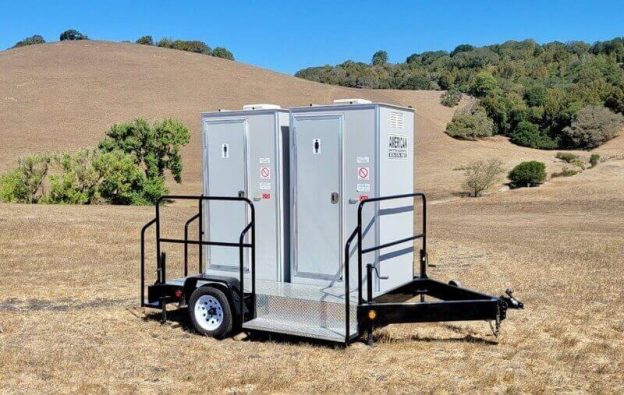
(455, 283)
(211, 313)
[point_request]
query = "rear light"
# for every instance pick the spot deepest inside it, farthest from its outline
(178, 293)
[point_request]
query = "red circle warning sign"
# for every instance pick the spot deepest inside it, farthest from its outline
(362, 173)
(265, 173)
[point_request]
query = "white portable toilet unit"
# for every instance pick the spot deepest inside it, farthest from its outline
(245, 153)
(341, 154)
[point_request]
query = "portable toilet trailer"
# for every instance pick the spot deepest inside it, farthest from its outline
(342, 154)
(243, 155)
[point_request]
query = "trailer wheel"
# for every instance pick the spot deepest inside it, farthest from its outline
(210, 312)
(455, 283)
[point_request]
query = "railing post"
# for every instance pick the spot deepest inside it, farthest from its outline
(347, 292)
(253, 258)
(359, 250)
(159, 264)
(201, 234)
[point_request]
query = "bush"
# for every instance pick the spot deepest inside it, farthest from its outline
(566, 156)
(470, 126)
(156, 148)
(12, 188)
(145, 40)
(481, 176)
(594, 159)
(451, 98)
(527, 134)
(124, 182)
(528, 174)
(182, 45)
(72, 35)
(223, 53)
(591, 127)
(36, 39)
(78, 181)
(566, 172)
(128, 168)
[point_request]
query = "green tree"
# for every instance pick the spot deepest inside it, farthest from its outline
(528, 174)
(484, 84)
(32, 40)
(221, 52)
(145, 40)
(156, 148)
(72, 34)
(470, 126)
(527, 134)
(380, 58)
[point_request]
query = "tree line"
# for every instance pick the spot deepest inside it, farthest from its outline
(183, 45)
(553, 95)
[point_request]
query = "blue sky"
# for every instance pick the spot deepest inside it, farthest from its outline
(287, 36)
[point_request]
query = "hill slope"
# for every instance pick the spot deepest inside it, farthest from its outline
(63, 96)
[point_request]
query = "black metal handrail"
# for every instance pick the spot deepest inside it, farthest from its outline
(422, 235)
(241, 244)
(358, 232)
(147, 225)
(186, 225)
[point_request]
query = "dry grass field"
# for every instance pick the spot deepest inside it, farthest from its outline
(69, 320)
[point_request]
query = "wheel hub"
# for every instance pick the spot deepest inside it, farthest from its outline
(208, 312)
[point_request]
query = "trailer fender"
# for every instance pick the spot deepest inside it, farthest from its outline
(229, 288)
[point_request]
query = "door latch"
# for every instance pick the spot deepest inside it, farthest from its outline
(335, 197)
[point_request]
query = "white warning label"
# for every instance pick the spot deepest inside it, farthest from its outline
(265, 161)
(397, 146)
(265, 186)
(363, 159)
(363, 187)
(363, 174)
(265, 173)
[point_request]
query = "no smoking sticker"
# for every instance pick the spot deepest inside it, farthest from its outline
(363, 174)
(265, 173)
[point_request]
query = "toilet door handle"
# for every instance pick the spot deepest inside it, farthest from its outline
(335, 197)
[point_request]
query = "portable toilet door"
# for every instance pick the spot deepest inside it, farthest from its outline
(341, 154)
(317, 189)
(243, 157)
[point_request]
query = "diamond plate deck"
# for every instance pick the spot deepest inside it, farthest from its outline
(301, 309)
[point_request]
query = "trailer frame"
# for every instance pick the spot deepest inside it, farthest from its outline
(451, 302)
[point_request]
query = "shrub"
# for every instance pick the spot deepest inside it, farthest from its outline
(594, 159)
(156, 148)
(451, 98)
(223, 53)
(12, 188)
(566, 156)
(566, 172)
(36, 39)
(79, 179)
(72, 34)
(145, 40)
(25, 184)
(591, 127)
(528, 174)
(481, 176)
(527, 134)
(470, 126)
(182, 45)
(124, 182)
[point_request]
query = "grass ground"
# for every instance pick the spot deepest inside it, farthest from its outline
(69, 321)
